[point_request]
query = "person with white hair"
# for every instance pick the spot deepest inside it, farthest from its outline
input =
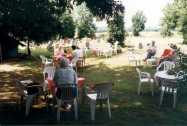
(64, 74)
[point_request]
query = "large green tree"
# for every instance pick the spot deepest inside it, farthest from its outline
(169, 21)
(67, 26)
(116, 29)
(84, 20)
(138, 22)
(39, 20)
(175, 18)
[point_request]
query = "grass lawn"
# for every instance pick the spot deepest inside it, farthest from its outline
(127, 107)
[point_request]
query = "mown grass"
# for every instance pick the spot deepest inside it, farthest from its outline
(127, 107)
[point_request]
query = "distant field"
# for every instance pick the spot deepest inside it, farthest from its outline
(147, 37)
(144, 38)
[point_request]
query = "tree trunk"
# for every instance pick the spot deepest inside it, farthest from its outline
(1, 54)
(28, 49)
(185, 37)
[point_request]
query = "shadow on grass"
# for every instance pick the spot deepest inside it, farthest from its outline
(127, 107)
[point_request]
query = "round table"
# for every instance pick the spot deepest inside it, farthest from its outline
(161, 75)
(165, 75)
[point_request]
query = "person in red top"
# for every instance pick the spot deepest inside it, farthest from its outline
(168, 54)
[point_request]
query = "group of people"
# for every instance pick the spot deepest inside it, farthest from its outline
(72, 53)
(168, 53)
(65, 59)
(64, 74)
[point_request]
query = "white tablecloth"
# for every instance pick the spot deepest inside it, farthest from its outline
(165, 75)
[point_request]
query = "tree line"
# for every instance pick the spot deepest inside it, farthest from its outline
(43, 20)
(175, 18)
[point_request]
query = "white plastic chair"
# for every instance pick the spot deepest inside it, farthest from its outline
(152, 61)
(172, 86)
(50, 71)
(68, 93)
(101, 93)
(46, 61)
(28, 97)
(169, 86)
(107, 52)
(134, 58)
(166, 65)
(43, 58)
(145, 77)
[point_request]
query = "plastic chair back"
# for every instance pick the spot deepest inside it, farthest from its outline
(103, 90)
(50, 71)
(67, 92)
(165, 66)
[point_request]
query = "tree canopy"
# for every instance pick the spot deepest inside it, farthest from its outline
(84, 21)
(175, 18)
(138, 22)
(116, 29)
(28, 19)
(38, 20)
(68, 26)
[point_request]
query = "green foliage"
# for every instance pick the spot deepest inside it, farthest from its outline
(39, 20)
(103, 8)
(86, 30)
(165, 30)
(67, 27)
(116, 29)
(28, 19)
(84, 19)
(175, 17)
(138, 23)
(169, 20)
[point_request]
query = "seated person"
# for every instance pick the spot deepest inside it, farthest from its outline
(59, 53)
(151, 51)
(75, 56)
(68, 54)
(64, 74)
(168, 54)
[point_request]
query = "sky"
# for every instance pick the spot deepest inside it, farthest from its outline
(152, 9)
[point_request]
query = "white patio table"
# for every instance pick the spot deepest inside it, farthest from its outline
(161, 75)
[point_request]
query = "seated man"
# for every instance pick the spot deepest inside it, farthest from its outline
(151, 51)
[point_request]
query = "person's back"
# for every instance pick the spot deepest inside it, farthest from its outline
(65, 74)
